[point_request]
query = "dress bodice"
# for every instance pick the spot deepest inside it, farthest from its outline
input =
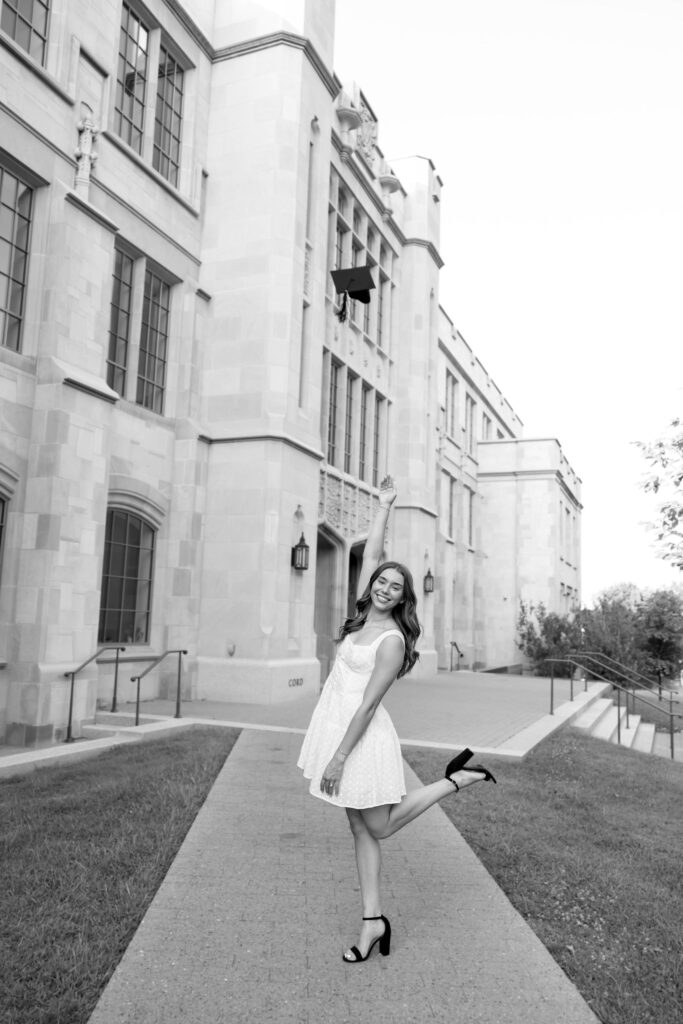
(354, 664)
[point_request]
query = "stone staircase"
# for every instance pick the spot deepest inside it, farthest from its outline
(601, 719)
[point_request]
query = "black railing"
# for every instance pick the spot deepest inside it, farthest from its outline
(454, 647)
(74, 673)
(670, 714)
(137, 679)
(628, 674)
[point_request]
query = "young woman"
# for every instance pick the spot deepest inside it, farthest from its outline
(351, 751)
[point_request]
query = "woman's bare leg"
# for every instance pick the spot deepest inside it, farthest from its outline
(383, 821)
(369, 863)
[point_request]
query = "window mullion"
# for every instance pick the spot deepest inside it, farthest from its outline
(132, 368)
(151, 94)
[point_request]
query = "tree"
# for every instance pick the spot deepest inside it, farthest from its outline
(660, 633)
(542, 634)
(609, 627)
(665, 456)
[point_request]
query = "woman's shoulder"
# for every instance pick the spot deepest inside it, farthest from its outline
(393, 632)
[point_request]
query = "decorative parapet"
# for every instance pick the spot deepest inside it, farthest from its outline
(349, 119)
(389, 184)
(347, 506)
(366, 139)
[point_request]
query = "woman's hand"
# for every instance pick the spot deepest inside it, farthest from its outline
(387, 492)
(329, 784)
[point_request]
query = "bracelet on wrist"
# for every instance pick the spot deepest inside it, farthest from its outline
(342, 755)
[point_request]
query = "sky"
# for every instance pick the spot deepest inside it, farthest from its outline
(556, 127)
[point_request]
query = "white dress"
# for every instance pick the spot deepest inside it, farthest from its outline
(373, 771)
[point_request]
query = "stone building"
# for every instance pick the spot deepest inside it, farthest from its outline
(180, 405)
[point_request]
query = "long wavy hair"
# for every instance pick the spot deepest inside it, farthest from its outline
(404, 614)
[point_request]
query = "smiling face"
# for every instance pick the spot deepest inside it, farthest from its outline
(387, 590)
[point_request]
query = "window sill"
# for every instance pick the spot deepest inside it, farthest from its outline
(35, 67)
(128, 151)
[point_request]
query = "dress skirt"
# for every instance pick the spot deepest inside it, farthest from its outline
(373, 771)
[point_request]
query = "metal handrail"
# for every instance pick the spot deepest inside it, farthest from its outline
(670, 713)
(74, 673)
(161, 657)
(454, 643)
(623, 669)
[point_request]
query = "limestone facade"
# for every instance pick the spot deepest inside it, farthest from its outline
(179, 402)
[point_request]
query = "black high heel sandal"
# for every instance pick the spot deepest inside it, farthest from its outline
(384, 943)
(458, 761)
(479, 768)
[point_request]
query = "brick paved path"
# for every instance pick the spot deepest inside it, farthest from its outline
(251, 921)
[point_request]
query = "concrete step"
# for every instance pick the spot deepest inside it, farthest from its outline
(606, 728)
(628, 733)
(644, 740)
(662, 745)
(592, 715)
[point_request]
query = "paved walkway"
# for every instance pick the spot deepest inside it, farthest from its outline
(249, 925)
(448, 709)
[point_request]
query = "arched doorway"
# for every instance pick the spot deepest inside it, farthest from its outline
(355, 564)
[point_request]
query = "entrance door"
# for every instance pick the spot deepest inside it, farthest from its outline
(355, 565)
(324, 618)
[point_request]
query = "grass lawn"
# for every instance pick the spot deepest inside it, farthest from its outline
(586, 840)
(82, 852)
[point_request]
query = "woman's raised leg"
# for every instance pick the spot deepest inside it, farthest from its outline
(369, 864)
(383, 821)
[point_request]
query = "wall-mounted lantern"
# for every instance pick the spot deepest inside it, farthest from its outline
(300, 554)
(428, 582)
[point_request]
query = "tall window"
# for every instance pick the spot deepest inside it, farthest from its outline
(332, 416)
(168, 120)
(469, 516)
(119, 324)
(381, 297)
(348, 420)
(485, 427)
(26, 22)
(15, 222)
(3, 519)
(126, 579)
(153, 343)
(376, 438)
(451, 507)
(131, 79)
(470, 407)
(363, 446)
(451, 396)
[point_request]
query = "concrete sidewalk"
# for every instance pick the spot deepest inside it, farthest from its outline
(251, 920)
(447, 709)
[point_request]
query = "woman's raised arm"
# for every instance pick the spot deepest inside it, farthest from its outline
(374, 545)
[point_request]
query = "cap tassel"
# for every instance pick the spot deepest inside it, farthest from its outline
(341, 312)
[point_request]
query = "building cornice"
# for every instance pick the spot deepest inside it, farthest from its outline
(280, 39)
(285, 439)
(539, 474)
(433, 251)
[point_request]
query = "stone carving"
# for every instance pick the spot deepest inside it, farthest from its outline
(366, 139)
(85, 154)
(321, 497)
(333, 505)
(350, 517)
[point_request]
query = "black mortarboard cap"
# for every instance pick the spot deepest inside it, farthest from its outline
(354, 283)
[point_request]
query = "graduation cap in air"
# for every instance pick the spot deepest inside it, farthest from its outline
(354, 283)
